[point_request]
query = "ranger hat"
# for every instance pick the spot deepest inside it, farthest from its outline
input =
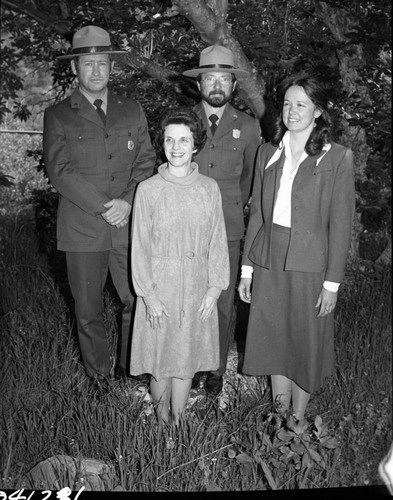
(91, 40)
(216, 58)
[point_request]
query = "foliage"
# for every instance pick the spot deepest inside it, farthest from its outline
(18, 175)
(278, 37)
(48, 406)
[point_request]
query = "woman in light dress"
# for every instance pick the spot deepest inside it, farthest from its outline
(180, 264)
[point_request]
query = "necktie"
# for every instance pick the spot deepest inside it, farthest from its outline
(101, 114)
(213, 126)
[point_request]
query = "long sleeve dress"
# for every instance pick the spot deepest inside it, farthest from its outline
(179, 253)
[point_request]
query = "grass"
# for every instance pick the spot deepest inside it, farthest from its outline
(48, 407)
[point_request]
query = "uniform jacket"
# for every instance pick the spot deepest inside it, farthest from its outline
(322, 210)
(90, 163)
(229, 158)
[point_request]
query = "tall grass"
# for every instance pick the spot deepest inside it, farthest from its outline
(49, 408)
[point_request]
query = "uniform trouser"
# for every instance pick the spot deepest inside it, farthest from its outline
(87, 274)
(226, 306)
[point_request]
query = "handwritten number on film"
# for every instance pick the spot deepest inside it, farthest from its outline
(63, 494)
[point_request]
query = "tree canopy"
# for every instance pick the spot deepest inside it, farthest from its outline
(347, 44)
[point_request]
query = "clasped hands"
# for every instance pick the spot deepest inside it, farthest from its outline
(118, 212)
(326, 300)
(155, 312)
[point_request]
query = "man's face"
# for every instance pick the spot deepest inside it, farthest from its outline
(216, 88)
(93, 73)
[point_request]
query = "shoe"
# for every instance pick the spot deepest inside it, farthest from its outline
(196, 380)
(213, 384)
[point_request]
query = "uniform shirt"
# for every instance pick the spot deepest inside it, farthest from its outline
(209, 110)
(91, 99)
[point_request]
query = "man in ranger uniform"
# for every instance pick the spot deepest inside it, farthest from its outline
(96, 150)
(228, 157)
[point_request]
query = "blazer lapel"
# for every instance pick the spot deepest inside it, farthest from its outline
(310, 163)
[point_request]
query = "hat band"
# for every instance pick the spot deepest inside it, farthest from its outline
(92, 50)
(225, 66)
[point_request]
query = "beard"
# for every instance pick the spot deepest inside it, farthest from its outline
(217, 99)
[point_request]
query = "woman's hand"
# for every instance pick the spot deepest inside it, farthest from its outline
(326, 302)
(155, 314)
(207, 307)
(244, 289)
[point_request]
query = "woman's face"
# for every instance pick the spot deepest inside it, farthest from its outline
(178, 145)
(299, 112)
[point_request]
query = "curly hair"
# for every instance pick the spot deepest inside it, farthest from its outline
(321, 133)
(183, 116)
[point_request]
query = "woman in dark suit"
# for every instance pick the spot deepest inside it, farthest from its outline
(296, 247)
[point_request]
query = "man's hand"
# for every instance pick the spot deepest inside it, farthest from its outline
(118, 212)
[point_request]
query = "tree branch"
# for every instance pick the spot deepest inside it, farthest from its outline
(61, 26)
(203, 17)
(337, 20)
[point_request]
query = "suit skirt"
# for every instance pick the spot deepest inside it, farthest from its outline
(284, 335)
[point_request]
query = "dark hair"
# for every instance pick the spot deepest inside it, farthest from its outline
(183, 116)
(321, 133)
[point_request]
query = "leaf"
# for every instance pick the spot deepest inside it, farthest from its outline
(213, 487)
(306, 460)
(267, 441)
(318, 423)
(297, 448)
(315, 456)
(243, 458)
(301, 427)
(285, 436)
(285, 450)
(268, 475)
(330, 442)
(354, 122)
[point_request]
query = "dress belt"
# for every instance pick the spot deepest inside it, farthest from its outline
(183, 258)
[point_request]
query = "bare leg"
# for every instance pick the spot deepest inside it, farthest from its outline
(300, 401)
(282, 391)
(180, 392)
(161, 394)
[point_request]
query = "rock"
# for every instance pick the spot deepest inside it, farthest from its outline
(59, 471)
